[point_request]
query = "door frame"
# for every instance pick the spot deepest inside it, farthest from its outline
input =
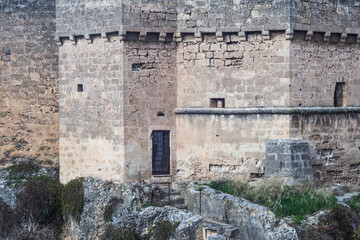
(166, 153)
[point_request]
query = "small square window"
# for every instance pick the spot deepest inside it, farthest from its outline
(217, 102)
(80, 88)
(161, 114)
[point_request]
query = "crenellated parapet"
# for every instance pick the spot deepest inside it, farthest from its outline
(174, 20)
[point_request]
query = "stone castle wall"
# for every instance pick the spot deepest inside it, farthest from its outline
(316, 67)
(252, 73)
(218, 146)
(233, 15)
(340, 16)
(80, 17)
(334, 144)
(149, 102)
(29, 103)
(180, 54)
(92, 121)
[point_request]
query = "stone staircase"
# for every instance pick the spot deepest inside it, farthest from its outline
(164, 195)
(219, 231)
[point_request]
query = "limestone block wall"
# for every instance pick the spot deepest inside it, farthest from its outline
(28, 81)
(92, 121)
(225, 146)
(149, 15)
(316, 67)
(204, 15)
(149, 103)
(334, 144)
(248, 73)
(326, 15)
(80, 17)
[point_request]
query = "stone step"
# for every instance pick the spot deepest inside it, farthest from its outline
(181, 206)
(177, 199)
(216, 237)
(219, 231)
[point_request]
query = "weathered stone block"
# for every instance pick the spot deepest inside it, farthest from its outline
(288, 158)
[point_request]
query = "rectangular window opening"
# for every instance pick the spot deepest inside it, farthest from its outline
(161, 114)
(161, 152)
(80, 88)
(217, 102)
(340, 95)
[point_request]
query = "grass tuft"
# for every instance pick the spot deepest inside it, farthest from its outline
(283, 200)
(355, 204)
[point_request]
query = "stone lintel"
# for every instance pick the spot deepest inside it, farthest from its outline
(274, 110)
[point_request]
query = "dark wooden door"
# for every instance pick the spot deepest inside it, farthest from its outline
(161, 152)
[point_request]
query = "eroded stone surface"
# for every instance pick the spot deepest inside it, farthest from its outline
(254, 221)
(288, 159)
(29, 104)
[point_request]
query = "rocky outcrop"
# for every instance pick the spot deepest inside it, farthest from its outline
(130, 210)
(254, 221)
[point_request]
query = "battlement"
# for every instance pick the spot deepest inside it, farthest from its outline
(167, 18)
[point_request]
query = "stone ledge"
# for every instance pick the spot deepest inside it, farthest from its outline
(351, 36)
(273, 110)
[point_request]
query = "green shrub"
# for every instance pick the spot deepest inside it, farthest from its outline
(113, 233)
(7, 219)
(283, 200)
(22, 170)
(162, 231)
(339, 223)
(298, 218)
(72, 199)
(355, 204)
(40, 198)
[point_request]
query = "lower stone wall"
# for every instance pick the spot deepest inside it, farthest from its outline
(334, 145)
(225, 146)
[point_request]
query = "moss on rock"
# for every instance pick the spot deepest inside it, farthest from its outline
(72, 199)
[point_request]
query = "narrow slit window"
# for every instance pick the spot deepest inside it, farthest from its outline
(217, 102)
(340, 95)
(80, 88)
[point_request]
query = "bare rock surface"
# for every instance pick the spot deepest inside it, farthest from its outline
(254, 221)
